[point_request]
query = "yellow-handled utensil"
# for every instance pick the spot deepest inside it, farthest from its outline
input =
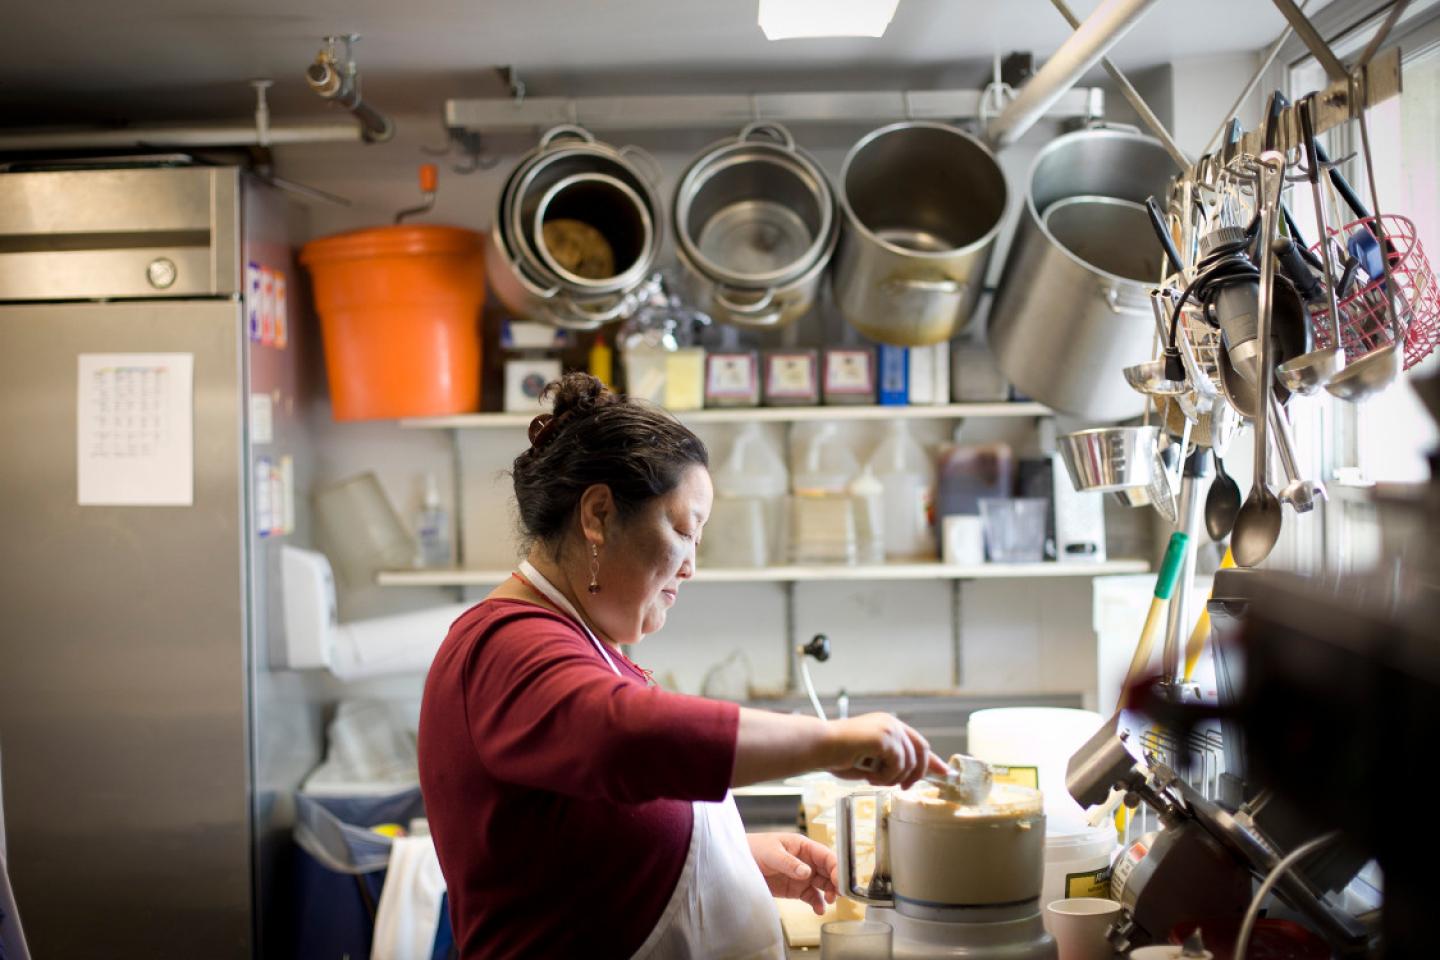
(1196, 643)
(1164, 587)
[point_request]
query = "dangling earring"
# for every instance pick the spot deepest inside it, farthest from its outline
(594, 568)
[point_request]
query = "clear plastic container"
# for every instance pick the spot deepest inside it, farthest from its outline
(826, 466)
(361, 532)
(749, 502)
(908, 481)
(867, 497)
(1015, 529)
(822, 516)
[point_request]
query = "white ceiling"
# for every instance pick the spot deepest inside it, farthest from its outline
(98, 60)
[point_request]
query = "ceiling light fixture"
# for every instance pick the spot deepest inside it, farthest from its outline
(789, 19)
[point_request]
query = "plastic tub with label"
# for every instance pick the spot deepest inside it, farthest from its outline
(1077, 865)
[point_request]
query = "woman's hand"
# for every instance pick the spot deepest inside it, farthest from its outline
(796, 867)
(881, 749)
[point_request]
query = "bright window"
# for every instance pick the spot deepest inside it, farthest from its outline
(1387, 438)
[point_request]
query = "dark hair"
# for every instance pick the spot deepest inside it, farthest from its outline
(597, 436)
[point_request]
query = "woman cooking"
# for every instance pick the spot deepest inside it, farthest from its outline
(578, 809)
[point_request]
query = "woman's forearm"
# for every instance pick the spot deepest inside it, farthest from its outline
(769, 746)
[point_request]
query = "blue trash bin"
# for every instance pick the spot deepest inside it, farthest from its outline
(341, 865)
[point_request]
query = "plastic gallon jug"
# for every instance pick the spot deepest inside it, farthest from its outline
(908, 479)
(867, 499)
(746, 516)
(822, 520)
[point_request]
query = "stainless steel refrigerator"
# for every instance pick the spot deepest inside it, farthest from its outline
(149, 741)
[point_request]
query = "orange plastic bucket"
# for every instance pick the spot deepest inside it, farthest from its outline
(400, 316)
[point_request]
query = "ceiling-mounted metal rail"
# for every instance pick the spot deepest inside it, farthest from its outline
(1338, 103)
(1081, 51)
(702, 111)
(1136, 101)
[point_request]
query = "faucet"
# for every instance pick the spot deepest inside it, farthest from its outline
(819, 648)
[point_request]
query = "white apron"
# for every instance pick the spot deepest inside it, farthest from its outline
(720, 908)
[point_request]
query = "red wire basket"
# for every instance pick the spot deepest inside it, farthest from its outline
(1364, 319)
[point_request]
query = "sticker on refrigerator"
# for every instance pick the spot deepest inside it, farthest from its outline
(252, 300)
(267, 305)
(277, 501)
(287, 494)
(281, 318)
(262, 419)
(135, 443)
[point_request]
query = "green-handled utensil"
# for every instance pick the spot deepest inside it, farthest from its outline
(1164, 586)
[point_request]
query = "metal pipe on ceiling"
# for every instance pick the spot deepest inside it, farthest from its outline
(344, 92)
(1319, 49)
(335, 77)
(232, 135)
(1094, 38)
(1133, 96)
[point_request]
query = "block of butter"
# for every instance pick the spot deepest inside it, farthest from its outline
(802, 926)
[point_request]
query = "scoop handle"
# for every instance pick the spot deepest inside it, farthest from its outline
(1162, 233)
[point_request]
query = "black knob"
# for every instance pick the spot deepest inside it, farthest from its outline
(818, 647)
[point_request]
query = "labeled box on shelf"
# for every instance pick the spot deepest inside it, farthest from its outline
(849, 375)
(732, 379)
(791, 378)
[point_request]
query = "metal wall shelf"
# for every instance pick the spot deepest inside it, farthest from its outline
(944, 411)
(806, 574)
(702, 111)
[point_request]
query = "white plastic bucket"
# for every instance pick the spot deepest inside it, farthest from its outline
(1077, 865)
(1036, 744)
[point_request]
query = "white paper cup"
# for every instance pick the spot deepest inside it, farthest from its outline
(962, 537)
(1164, 953)
(1079, 925)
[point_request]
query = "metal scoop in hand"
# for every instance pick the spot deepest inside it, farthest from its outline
(966, 780)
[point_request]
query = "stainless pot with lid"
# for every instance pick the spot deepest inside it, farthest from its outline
(1073, 308)
(922, 204)
(755, 225)
(576, 233)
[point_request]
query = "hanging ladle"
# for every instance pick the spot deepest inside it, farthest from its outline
(1164, 377)
(1257, 526)
(1308, 373)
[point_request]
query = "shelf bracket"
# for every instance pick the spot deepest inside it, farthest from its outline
(957, 669)
(791, 684)
(457, 509)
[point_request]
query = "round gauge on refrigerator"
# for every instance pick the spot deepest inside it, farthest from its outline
(161, 273)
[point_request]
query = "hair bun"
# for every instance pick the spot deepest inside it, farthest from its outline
(576, 395)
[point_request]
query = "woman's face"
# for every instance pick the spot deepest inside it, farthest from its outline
(644, 559)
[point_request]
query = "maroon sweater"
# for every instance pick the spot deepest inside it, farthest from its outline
(558, 793)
